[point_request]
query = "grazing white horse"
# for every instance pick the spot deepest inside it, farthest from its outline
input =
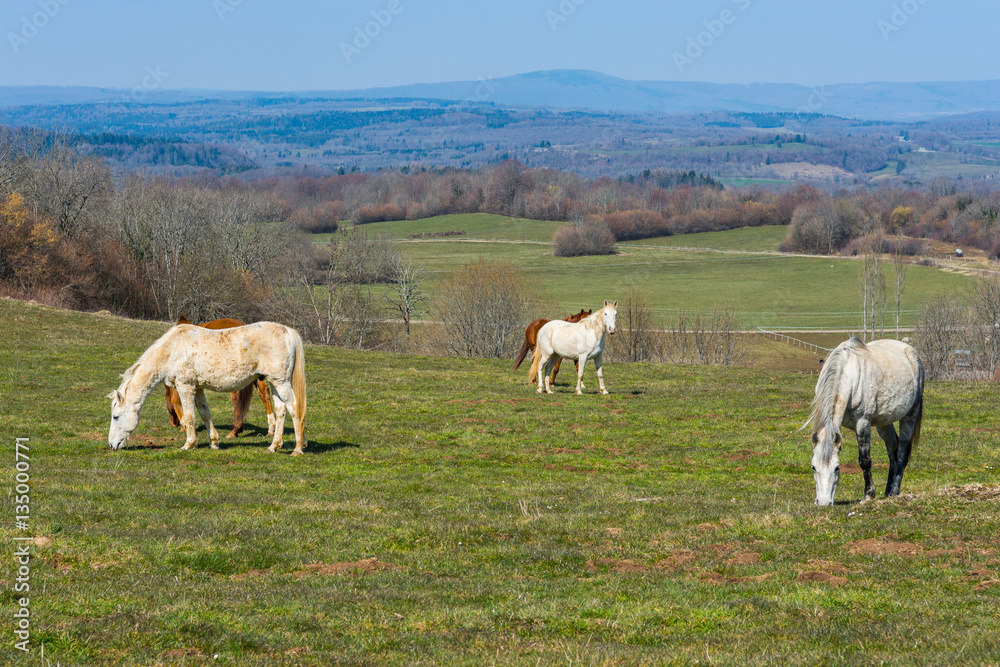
(581, 341)
(863, 386)
(192, 359)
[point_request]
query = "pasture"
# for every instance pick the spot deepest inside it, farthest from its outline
(768, 290)
(446, 514)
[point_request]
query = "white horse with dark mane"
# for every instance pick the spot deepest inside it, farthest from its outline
(580, 341)
(192, 359)
(863, 386)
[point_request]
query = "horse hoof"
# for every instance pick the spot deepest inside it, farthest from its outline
(232, 435)
(214, 445)
(605, 392)
(272, 449)
(298, 452)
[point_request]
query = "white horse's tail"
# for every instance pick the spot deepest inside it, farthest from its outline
(299, 375)
(536, 358)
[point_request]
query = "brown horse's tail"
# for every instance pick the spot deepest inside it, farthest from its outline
(299, 375)
(522, 354)
(175, 419)
(241, 405)
(536, 358)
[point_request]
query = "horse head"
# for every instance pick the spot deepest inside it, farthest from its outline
(124, 419)
(826, 443)
(610, 316)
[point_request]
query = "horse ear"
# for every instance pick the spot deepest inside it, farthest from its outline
(836, 439)
(116, 396)
(615, 304)
(605, 303)
(182, 320)
(815, 439)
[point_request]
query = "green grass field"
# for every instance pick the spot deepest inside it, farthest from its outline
(445, 514)
(765, 290)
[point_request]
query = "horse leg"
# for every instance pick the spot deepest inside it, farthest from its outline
(600, 373)
(555, 370)
(543, 384)
(287, 397)
(580, 365)
(888, 434)
(863, 430)
(279, 421)
(186, 395)
(577, 364)
(265, 398)
(201, 403)
(548, 371)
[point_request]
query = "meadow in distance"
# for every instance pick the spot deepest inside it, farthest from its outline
(445, 514)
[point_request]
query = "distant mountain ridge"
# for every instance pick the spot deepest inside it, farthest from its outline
(584, 89)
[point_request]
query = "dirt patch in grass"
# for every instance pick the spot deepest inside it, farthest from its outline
(827, 566)
(617, 566)
(821, 578)
(884, 546)
(973, 491)
(367, 566)
(716, 578)
(676, 560)
(744, 558)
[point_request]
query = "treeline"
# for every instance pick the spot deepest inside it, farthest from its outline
(829, 224)
(652, 203)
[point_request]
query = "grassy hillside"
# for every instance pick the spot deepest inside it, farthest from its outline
(766, 290)
(445, 514)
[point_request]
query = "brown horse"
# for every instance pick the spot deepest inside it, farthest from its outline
(531, 339)
(241, 399)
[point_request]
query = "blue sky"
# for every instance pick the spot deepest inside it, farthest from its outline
(299, 44)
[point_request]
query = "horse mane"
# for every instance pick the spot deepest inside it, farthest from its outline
(129, 373)
(595, 321)
(829, 381)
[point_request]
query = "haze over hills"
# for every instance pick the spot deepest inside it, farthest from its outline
(582, 89)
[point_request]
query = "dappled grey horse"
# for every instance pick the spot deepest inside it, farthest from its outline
(863, 386)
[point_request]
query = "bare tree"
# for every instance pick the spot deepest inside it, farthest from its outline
(942, 338)
(899, 265)
(873, 292)
(483, 307)
(508, 180)
(64, 185)
(986, 314)
(406, 295)
(251, 233)
(713, 339)
(341, 298)
(638, 337)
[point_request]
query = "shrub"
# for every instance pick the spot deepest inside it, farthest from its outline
(378, 213)
(587, 238)
(483, 308)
